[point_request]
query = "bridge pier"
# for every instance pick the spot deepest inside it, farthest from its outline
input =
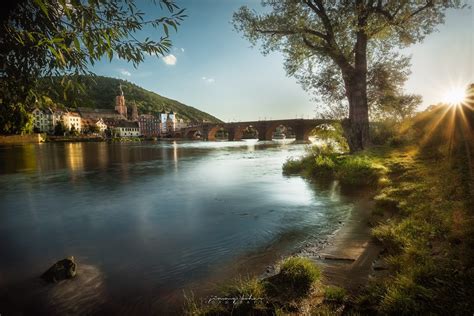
(264, 133)
(301, 133)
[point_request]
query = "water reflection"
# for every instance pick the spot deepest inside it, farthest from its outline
(155, 218)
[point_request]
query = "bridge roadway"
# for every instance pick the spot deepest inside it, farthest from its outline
(301, 128)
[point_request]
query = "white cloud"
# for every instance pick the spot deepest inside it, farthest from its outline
(182, 50)
(170, 59)
(125, 72)
(208, 80)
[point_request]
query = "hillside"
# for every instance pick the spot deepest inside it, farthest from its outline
(100, 92)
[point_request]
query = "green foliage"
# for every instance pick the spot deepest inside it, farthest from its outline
(348, 169)
(73, 131)
(358, 170)
(334, 294)
(429, 238)
(42, 38)
(14, 119)
(59, 129)
(332, 135)
(332, 47)
(295, 280)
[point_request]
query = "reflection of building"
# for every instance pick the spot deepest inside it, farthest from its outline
(149, 125)
(72, 120)
(126, 129)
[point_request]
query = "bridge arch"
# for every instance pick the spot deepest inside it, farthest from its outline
(193, 133)
(214, 130)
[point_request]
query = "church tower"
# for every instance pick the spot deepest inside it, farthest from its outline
(134, 112)
(120, 103)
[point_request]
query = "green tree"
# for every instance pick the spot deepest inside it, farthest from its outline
(344, 48)
(73, 131)
(59, 129)
(46, 38)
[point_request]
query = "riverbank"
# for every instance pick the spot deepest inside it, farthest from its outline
(348, 257)
(22, 139)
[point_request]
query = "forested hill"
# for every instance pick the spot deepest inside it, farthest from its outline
(100, 92)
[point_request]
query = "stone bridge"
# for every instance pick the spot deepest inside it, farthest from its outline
(301, 128)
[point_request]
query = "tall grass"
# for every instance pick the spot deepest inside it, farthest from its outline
(348, 169)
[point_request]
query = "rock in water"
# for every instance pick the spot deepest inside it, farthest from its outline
(61, 270)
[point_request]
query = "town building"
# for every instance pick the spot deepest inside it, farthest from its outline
(120, 106)
(134, 114)
(168, 122)
(72, 121)
(91, 113)
(126, 129)
(93, 126)
(43, 120)
(181, 124)
(150, 125)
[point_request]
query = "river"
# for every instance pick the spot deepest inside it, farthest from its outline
(147, 221)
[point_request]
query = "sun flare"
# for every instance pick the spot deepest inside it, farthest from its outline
(455, 96)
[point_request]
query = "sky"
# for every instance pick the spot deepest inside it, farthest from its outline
(213, 68)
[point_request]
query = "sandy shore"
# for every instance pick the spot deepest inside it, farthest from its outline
(347, 258)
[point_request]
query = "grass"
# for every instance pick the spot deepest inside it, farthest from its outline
(275, 295)
(295, 280)
(348, 169)
(334, 294)
(428, 237)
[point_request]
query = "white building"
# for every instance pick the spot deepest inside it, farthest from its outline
(43, 120)
(72, 119)
(167, 121)
(126, 129)
(90, 124)
(180, 124)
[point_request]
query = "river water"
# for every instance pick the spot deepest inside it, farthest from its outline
(147, 221)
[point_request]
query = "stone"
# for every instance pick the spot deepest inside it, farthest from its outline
(61, 270)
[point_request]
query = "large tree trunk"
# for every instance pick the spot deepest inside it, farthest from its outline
(356, 127)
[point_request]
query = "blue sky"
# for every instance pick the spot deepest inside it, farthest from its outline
(215, 70)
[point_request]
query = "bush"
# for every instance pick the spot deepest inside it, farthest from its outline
(358, 170)
(292, 166)
(324, 163)
(382, 132)
(295, 280)
(334, 294)
(349, 169)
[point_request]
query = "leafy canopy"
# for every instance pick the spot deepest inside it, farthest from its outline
(45, 38)
(320, 39)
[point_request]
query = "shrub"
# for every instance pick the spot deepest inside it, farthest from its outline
(334, 294)
(358, 170)
(295, 280)
(292, 166)
(382, 132)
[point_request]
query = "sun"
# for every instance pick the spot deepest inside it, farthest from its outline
(455, 96)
